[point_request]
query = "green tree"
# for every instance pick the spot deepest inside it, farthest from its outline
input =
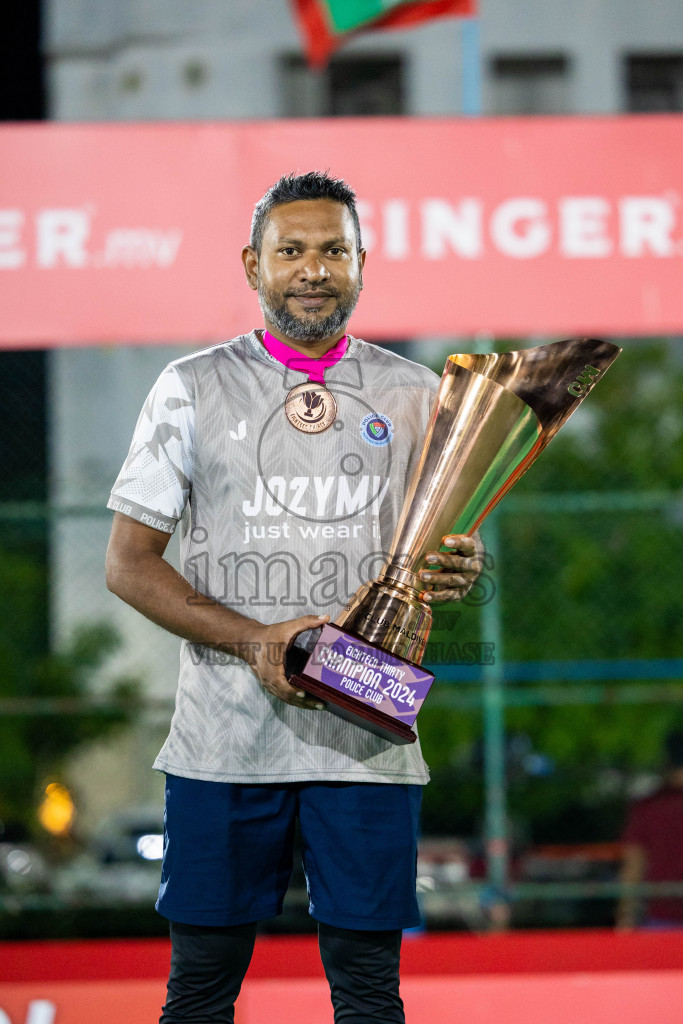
(35, 743)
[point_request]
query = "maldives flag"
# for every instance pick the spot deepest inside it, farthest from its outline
(327, 24)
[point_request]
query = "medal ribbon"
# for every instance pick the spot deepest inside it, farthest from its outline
(315, 368)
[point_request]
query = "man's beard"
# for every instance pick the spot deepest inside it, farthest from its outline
(310, 327)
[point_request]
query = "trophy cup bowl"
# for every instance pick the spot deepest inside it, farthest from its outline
(492, 417)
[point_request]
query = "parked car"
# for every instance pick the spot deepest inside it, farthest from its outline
(121, 864)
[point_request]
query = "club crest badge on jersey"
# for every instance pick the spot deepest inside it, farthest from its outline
(377, 429)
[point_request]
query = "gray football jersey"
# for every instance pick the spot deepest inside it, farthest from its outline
(274, 523)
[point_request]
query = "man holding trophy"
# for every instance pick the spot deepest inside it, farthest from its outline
(285, 456)
(314, 478)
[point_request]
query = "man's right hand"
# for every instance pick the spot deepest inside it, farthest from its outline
(267, 659)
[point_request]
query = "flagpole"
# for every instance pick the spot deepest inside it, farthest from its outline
(471, 67)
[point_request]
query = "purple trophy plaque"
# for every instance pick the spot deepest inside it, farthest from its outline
(364, 684)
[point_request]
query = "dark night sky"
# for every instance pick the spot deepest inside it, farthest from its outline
(22, 96)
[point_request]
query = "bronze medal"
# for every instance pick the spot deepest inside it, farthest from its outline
(310, 408)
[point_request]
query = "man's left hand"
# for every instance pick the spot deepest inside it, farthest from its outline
(454, 572)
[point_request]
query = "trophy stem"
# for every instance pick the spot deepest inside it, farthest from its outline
(388, 613)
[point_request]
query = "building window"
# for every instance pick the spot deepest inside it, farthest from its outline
(348, 87)
(654, 83)
(529, 85)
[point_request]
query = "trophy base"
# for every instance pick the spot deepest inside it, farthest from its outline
(361, 683)
(347, 708)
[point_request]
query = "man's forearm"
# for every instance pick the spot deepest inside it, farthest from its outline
(137, 572)
(154, 588)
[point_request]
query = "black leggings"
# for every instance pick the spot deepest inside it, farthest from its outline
(208, 966)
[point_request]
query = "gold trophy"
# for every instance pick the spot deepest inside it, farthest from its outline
(492, 417)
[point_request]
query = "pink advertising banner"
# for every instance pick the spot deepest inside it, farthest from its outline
(518, 977)
(132, 233)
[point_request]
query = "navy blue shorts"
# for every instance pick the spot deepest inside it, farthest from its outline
(228, 852)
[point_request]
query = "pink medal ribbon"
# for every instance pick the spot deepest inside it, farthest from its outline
(310, 407)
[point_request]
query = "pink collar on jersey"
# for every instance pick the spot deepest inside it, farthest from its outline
(315, 368)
